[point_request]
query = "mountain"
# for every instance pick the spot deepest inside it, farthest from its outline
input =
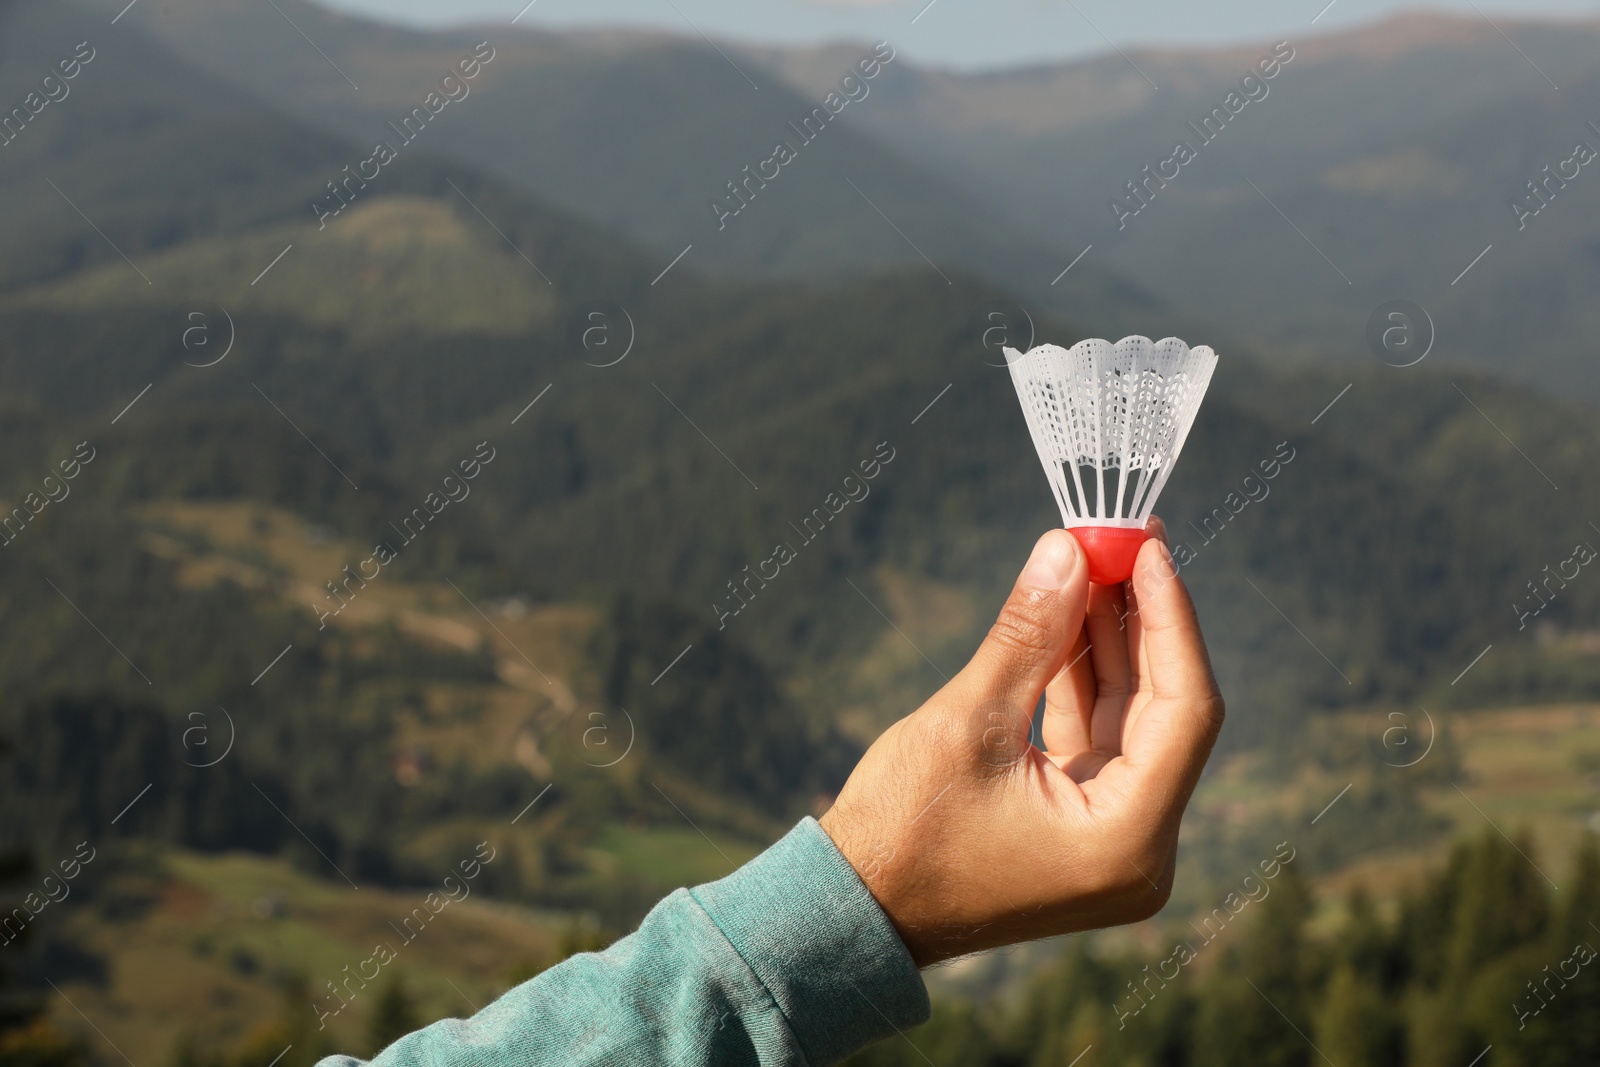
(580, 651)
(148, 151)
(1444, 67)
(641, 134)
(673, 471)
(445, 299)
(583, 469)
(1385, 160)
(417, 265)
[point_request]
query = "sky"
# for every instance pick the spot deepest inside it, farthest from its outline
(960, 34)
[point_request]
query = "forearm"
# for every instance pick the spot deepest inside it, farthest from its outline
(786, 961)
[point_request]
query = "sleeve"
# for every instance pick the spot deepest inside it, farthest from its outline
(788, 960)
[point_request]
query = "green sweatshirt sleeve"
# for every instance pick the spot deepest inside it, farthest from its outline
(788, 960)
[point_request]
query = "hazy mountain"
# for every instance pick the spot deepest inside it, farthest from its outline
(152, 151)
(1438, 66)
(1410, 543)
(640, 134)
(393, 266)
(1422, 126)
(141, 146)
(1394, 149)
(443, 299)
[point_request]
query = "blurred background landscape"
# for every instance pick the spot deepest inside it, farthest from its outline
(581, 406)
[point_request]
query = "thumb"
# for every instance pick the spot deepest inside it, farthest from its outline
(1028, 644)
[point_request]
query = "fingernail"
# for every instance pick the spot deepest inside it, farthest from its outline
(1051, 563)
(1165, 566)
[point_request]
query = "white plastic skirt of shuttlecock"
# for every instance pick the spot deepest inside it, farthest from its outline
(1108, 421)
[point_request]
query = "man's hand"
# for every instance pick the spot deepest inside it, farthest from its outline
(969, 836)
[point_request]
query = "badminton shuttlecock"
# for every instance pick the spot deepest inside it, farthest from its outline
(1109, 421)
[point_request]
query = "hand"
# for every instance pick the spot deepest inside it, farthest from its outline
(969, 837)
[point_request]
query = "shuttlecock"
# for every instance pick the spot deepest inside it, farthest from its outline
(1108, 422)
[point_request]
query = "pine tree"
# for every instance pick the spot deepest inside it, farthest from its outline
(1574, 1014)
(1502, 904)
(1579, 915)
(1483, 942)
(394, 1014)
(1084, 1027)
(1255, 1006)
(1357, 1022)
(1368, 946)
(1060, 999)
(1355, 1026)
(28, 1038)
(290, 1040)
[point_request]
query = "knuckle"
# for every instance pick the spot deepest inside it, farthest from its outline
(1114, 691)
(1144, 884)
(1148, 902)
(1023, 627)
(1121, 883)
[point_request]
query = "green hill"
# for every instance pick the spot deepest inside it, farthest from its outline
(591, 570)
(391, 267)
(1009, 174)
(649, 131)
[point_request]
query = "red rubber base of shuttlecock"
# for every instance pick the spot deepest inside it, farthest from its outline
(1111, 551)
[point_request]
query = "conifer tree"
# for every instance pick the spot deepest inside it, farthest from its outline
(1574, 936)
(394, 1014)
(1255, 1006)
(1357, 1020)
(1354, 1026)
(1501, 904)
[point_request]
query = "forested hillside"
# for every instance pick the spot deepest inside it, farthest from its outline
(1482, 955)
(333, 548)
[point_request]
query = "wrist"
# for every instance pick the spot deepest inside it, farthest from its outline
(820, 945)
(882, 868)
